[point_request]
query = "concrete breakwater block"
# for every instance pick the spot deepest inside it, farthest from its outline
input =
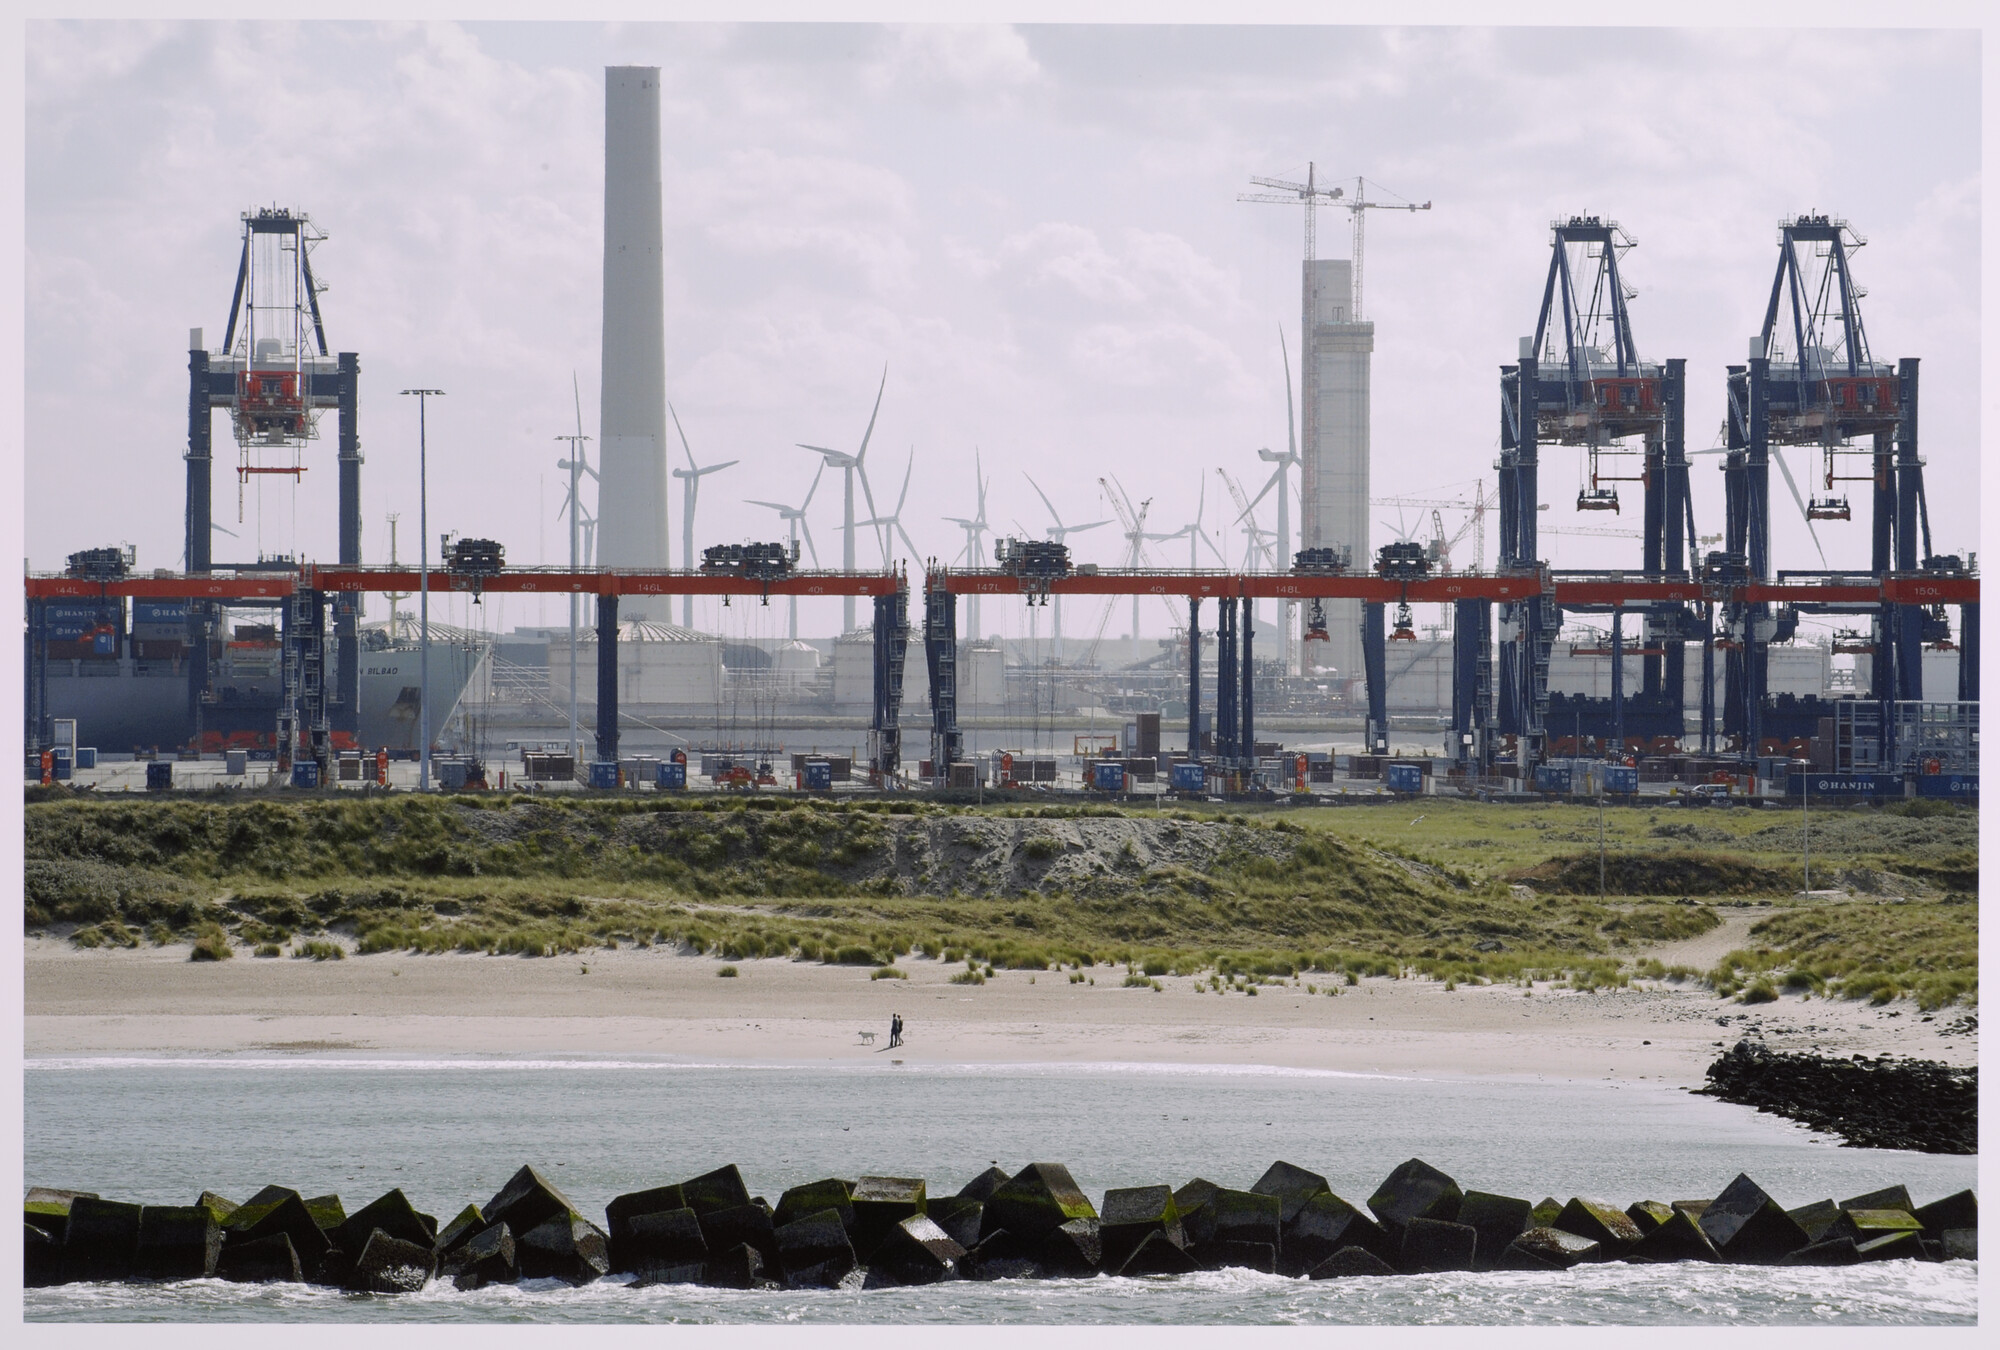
(915, 1251)
(391, 1214)
(746, 1224)
(1496, 1219)
(563, 1247)
(1679, 1238)
(1292, 1186)
(959, 1216)
(1293, 1227)
(1036, 1200)
(1433, 1246)
(663, 1248)
(1001, 1256)
(712, 1192)
(1349, 1262)
(1415, 1190)
(1133, 1214)
(178, 1242)
(1072, 1250)
(814, 1250)
(100, 1240)
(1747, 1226)
(981, 1187)
(1324, 1226)
(264, 1260)
(527, 1201)
(1549, 1249)
(487, 1257)
(389, 1265)
(740, 1267)
(832, 1193)
(1156, 1254)
(879, 1204)
(274, 1211)
(1609, 1227)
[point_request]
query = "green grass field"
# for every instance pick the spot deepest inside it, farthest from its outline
(1445, 889)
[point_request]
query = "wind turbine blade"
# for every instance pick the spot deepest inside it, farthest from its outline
(1045, 500)
(979, 478)
(1291, 435)
(717, 468)
(1262, 492)
(863, 454)
(811, 547)
(1804, 514)
(577, 394)
(904, 495)
(1079, 529)
(775, 506)
(817, 473)
(684, 438)
(1213, 549)
(908, 543)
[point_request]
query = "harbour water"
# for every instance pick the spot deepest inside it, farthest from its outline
(450, 1130)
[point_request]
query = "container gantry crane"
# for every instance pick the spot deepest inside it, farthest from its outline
(1581, 381)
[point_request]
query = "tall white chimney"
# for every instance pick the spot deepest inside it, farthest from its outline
(632, 420)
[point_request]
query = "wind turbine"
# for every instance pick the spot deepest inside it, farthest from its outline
(1192, 531)
(691, 475)
(576, 464)
(1060, 533)
(1134, 521)
(796, 517)
(975, 531)
(1281, 479)
(891, 525)
(850, 466)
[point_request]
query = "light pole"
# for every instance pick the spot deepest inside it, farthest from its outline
(424, 598)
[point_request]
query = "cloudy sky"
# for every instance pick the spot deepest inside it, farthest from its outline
(1035, 229)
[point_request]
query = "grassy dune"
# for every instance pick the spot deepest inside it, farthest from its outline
(1456, 891)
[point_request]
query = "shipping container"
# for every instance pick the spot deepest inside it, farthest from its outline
(452, 774)
(818, 776)
(305, 773)
(159, 775)
(1552, 778)
(604, 773)
(1108, 776)
(1952, 786)
(1844, 784)
(86, 757)
(1620, 780)
(672, 774)
(1189, 778)
(1404, 778)
(236, 762)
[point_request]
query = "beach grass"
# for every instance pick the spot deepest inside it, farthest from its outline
(1444, 890)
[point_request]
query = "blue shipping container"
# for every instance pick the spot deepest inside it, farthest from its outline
(1404, 777)
(1552, 778)
(1844, 784)
(1957, 786)
(86, 757)
(62, 764)
(159, 775)
(69, 620)
(672, 774)
(1621, 779)
(1108, 777)
(818, 775)
(159, 614)
(305, 773)
(1189, 777)
(604, 773)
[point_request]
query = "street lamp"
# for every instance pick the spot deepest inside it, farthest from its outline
(424, 599)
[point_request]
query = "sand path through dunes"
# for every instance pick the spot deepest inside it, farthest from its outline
(659, 1003)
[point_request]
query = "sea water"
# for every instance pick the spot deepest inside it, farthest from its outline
(448, 1131)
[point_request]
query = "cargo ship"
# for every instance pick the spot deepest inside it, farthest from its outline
(127, 686)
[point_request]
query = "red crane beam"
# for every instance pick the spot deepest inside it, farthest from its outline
(516, 581)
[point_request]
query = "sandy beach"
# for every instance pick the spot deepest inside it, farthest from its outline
(656, 1002)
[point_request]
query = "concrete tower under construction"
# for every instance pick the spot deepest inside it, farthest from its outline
(632, 425)
(1333, 479)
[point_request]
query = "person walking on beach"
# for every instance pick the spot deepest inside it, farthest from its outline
(895, 1030)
